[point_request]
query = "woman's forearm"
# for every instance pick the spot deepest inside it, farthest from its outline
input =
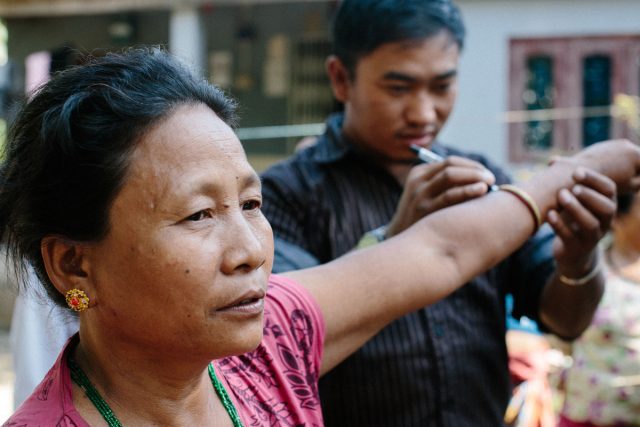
(365, 290)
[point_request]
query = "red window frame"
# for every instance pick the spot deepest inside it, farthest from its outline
(567, 54)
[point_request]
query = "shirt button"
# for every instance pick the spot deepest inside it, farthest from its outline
(438, 330)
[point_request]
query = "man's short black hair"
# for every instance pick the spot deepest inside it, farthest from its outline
(361, 26)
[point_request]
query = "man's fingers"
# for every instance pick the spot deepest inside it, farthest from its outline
(430, 187)
(424, 172)
(464, 162)
(456, 176)
(460, 194)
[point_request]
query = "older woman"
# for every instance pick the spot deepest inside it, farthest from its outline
(126, 189)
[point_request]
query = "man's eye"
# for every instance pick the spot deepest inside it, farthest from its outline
(398, 89)
(199, 216)
(444, 87)
(251, 205)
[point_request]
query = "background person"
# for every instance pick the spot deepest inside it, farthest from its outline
(125, 188)
(602, 387)
(39, 330)
(394, 68)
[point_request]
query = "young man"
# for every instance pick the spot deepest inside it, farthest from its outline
(394, 68)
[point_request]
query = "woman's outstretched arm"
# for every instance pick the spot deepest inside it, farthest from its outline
(365, 290)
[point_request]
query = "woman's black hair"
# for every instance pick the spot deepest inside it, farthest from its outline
(68, 149)
(625, 201)
(360, 26)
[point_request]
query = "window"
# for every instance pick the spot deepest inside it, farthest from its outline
(538, 95)
(596, 92)
(561, 90)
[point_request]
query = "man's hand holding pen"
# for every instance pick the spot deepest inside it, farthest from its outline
(427, 156)
(432, 186)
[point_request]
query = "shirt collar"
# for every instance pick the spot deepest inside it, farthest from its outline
(332, 145)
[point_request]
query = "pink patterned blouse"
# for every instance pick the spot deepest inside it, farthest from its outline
(274, 385)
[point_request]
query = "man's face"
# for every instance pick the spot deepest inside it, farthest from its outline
(402, 94)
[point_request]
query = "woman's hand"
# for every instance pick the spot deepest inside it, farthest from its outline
(583, 216)
(618, 159)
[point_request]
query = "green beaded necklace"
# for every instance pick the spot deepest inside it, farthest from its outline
(80, 378)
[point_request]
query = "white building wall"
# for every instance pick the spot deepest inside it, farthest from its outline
(186, 36)
(483, 85)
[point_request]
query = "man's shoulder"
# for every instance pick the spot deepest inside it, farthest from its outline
(317, 155)
(307, 168)
(303, 159)
(297, 174)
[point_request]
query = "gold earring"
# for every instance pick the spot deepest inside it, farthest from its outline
(77, 300)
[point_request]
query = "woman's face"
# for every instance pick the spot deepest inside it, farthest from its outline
(188, 254)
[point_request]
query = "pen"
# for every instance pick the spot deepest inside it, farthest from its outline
(426, 155)
(429, 156)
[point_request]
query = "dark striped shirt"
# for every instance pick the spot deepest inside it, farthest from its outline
(444, 365)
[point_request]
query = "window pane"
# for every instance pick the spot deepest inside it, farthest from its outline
(539, 96)
(596, 90)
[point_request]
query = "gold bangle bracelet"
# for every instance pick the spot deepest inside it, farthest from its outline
(528, 201)
(579, 281)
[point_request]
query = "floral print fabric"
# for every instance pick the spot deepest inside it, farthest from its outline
(603, 384)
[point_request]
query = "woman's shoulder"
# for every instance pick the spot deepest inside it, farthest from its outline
(46, 417)
(287, 294)
(292, 315)
(286, 364)
(51, 402)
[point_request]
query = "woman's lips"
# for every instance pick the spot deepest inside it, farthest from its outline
(248, 305)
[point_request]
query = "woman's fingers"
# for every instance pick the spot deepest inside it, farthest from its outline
(559, 225)
(596, 181)
(584, 212)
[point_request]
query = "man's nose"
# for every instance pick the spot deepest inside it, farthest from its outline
(421, 110)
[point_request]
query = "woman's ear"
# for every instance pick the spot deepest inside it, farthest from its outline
(66, 264)
(339, 77)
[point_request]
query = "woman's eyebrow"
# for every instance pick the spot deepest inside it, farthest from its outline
(251, 180)
(210, 186)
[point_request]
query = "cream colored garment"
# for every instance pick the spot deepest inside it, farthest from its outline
(603, 384)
